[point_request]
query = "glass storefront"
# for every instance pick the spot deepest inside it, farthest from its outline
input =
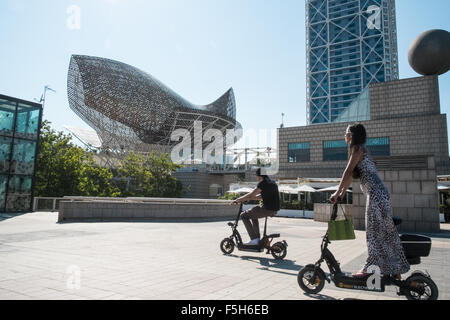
(19, 133)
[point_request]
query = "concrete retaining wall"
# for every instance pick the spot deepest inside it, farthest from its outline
(285, 213)
(84, 209)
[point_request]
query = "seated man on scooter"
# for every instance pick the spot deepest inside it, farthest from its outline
(267, 190)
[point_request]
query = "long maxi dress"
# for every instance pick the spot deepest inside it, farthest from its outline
(383, 241)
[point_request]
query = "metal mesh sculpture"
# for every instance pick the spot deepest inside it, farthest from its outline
(132, 111)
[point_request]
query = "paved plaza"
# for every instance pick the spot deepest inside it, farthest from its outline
(42, 259)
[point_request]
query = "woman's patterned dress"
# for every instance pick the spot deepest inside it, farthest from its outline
(383, 241)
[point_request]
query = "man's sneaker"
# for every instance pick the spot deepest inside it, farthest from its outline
(254, 242)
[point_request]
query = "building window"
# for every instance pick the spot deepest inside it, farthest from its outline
(379, 147)
(299, 152)
(335, 150)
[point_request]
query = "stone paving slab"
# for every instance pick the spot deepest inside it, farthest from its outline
(42, 259)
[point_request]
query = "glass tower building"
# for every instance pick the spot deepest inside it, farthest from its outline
(20, 123)
(350, 44)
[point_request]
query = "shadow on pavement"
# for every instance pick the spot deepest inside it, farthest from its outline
(6, 216)
(274, 265)
(319, 296)
(325, 297)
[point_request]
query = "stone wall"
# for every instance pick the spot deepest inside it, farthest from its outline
(322, 211)
(144, 209)
(398, 98)
(414, 198)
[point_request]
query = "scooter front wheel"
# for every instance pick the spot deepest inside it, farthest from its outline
(306, 282)
(227, 246)
(420, 287)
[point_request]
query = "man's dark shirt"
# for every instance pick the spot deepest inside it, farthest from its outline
(270, 195)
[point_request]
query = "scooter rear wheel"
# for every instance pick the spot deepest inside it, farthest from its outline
(278, 251)
(227, 246)
(420, 287)
(304, 280)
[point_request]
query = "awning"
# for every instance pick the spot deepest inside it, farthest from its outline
(286, 189)
(304, 188)
(333, 188)
(241, 190)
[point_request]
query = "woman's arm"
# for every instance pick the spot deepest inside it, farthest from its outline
(347, 177)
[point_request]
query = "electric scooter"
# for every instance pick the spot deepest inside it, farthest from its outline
(418, 286)
(278, 250)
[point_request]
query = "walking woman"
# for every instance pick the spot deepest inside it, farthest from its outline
(384, 245)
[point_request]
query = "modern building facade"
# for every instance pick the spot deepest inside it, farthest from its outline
(407, 137)
(405, 120)
(20, 123)
(350, 44)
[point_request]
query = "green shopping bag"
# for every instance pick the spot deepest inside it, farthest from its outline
(340, 230)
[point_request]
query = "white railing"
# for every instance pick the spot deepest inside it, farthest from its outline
(36, 203)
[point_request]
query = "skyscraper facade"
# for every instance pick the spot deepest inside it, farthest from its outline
(350, 44)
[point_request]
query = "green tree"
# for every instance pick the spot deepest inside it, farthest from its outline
(64, 169)
(162, 168)
(151, 176)
(133, 179)
(96, 181)
(229, 196)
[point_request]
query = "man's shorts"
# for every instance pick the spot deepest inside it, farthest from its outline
(258, 212)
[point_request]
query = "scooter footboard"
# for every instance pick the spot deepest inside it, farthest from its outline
(359, 283)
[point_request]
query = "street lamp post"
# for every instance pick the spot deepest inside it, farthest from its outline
(42, 100)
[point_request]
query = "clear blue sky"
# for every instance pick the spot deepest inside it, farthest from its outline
(199, 48)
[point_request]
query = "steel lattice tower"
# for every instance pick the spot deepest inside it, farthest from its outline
(350, 44)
